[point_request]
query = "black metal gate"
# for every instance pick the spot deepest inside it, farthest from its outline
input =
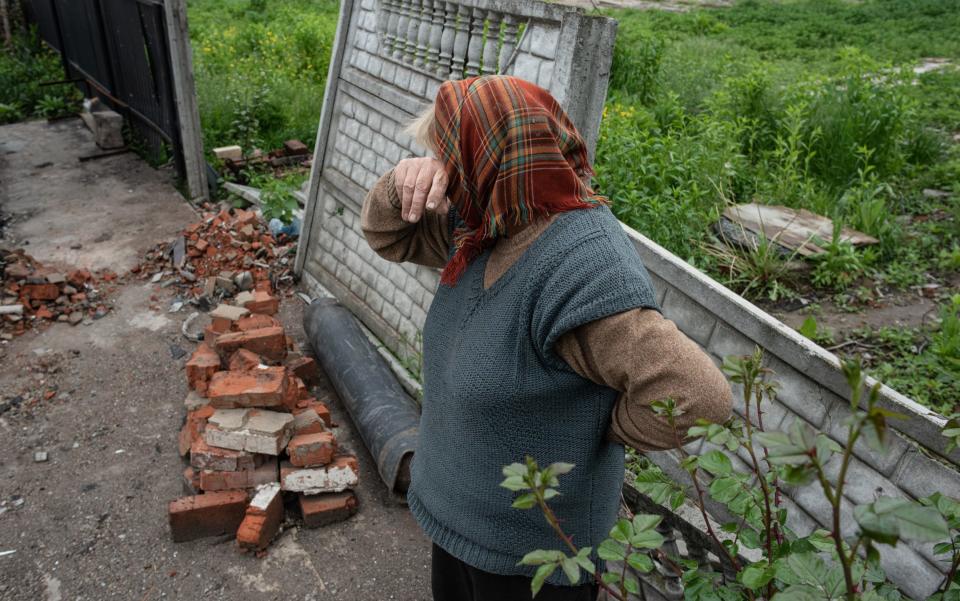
(118, 49)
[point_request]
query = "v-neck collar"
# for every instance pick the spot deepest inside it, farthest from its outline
(480, 270)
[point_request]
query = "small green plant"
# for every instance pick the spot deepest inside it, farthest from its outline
(277, 201)
(812, 330)
(630, 540)
(840, 265)
(757, 268)
(824, 565)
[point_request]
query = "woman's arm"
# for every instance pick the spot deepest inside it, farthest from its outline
(644, 356)
(425, 241)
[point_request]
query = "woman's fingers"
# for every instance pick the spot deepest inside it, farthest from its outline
(438, 190)
(409, 187)
(424, 182)
(421, 185)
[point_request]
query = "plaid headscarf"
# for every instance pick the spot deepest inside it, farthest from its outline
(511, 155)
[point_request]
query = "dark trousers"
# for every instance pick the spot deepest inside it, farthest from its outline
(454, 580)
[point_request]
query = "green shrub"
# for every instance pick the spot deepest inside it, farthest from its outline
(24, 66)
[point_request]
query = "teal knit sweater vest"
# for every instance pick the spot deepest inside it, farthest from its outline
(495, 391)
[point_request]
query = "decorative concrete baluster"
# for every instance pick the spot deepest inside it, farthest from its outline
(402, 21)
(490, 64)
(436, 32)
(475, 48)
(446, 39)
(461, 41)
(509, 41)
(413, 30)
(383, 17)
(423, 34)
(393, 25)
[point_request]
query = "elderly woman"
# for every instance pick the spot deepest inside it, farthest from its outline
(544, 337)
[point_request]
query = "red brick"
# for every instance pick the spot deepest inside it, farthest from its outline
(210, 514)
(305, 368)
(327, 508)
(205, 457)
(321, 408)
(295, 148)
(192, 428)
(41, 291)
(256, 321)
(263, 518)
(220, 325)
(312, 450)
(78, 277)
(212, 480)
(267, 342)
(200, 368)
(263, 302)
(244, 360)
(261, 387)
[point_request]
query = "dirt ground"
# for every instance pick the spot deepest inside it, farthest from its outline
(90, 522)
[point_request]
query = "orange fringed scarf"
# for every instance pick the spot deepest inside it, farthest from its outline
(511, 155)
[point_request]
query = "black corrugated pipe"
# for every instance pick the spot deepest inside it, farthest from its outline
(388, 419)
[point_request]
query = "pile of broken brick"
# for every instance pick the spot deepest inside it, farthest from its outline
(224, 253)
(257, 442)
(34, 294)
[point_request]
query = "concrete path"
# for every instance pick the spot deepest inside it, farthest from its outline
(90, 523)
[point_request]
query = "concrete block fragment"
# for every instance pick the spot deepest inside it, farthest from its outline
(260, 387)
(253, 430)
(691, 318)
(262, 519)
(108, 129)
(229, 312)
(312, 450)
(342, 473)
(320, 510)
(234, 153)
(210, 514)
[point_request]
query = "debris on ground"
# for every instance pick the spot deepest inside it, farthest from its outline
(259, 449)
(222, 255)
(34, 294)
(794, 230)
(293, 154)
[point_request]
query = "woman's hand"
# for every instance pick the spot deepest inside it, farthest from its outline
(421, 185)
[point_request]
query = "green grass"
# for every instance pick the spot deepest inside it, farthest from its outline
(807, 103)
(260, 69)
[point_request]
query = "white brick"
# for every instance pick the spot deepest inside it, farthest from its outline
(403, 303)
(339, 475)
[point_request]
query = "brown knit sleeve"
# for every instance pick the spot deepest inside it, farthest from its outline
(644, 356)
(425, 242)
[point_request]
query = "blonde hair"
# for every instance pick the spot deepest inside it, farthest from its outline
(422, 127)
